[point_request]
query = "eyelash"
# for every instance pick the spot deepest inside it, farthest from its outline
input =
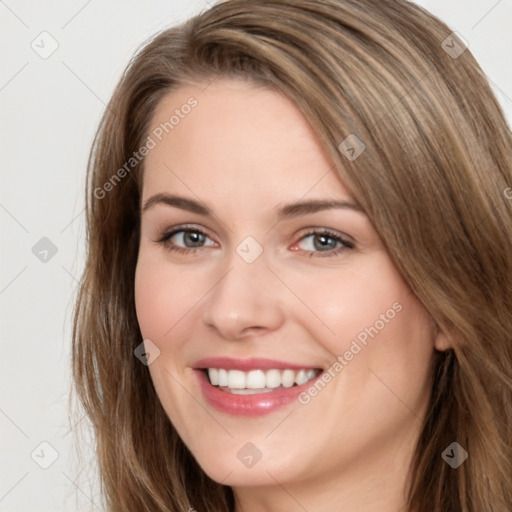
(345, 244)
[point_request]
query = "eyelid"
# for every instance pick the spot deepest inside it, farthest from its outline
(311, 230)
(167, 233)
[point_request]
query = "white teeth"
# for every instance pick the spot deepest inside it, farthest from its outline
(273, 378)
(223, 378)
(213, 373)
(301, 377)
(255, 379)
(240, 382)
(236, 379)
(288, 378)
(250, 391)
(310, 374)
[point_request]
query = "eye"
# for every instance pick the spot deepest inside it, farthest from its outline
(324, 241)
(192, 239)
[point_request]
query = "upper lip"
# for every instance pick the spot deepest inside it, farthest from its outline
(229, 363)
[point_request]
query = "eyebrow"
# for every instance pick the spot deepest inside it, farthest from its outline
(287, 211)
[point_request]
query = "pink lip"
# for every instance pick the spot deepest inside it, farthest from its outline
(246, 365)
(248, 405)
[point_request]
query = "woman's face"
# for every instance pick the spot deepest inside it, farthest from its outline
(266, 287)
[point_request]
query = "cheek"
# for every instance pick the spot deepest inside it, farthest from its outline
(164, 300)
(347, 307)
(162, 297)
(370, 318)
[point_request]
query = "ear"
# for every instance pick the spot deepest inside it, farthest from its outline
(442, 341)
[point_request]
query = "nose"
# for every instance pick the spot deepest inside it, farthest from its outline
(246, 301)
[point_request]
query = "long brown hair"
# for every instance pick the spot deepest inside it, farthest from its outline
(431, 178)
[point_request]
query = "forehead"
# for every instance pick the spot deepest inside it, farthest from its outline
(238, 142)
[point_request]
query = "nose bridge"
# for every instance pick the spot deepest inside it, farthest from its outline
(246, 298)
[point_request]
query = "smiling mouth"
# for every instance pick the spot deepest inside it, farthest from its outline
(252, 382)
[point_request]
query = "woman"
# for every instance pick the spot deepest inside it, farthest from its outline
(297, 293)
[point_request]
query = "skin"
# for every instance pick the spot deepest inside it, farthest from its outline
(245, 151)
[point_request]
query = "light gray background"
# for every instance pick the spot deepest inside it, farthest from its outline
(50, 108)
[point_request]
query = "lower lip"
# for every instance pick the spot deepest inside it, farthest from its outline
(249, 405)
